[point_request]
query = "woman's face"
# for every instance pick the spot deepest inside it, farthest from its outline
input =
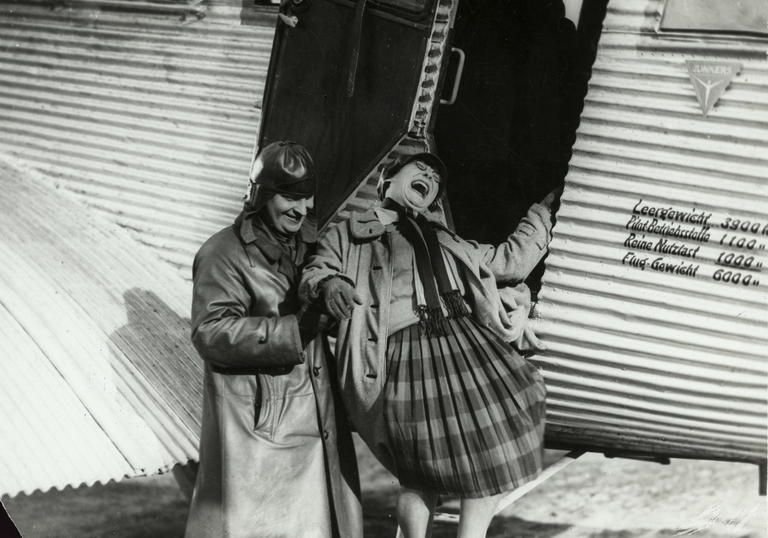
(287, 213)
(415, 186)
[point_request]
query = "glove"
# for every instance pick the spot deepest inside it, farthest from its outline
(312, 321)
(339, 297)
(553, 196)
(528, 343)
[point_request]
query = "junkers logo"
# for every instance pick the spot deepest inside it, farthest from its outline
(710, 79)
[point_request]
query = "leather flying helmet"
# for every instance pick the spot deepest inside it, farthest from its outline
(282, 167)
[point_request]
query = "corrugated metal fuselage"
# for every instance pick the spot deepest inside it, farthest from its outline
(654, 297)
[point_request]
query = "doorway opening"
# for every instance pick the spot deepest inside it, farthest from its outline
(507, 139)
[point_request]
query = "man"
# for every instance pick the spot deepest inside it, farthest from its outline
(274, 459)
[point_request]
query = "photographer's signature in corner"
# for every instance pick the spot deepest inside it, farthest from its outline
(713, 516)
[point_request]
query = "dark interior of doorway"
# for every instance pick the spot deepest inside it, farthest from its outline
(508, 138)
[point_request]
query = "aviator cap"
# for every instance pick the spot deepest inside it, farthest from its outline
(282, 167)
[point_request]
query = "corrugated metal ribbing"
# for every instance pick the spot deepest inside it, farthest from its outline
(98, 377)
(654, 298)
(150, 118)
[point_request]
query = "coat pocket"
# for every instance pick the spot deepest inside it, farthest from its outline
(262, 407)
(296, 421)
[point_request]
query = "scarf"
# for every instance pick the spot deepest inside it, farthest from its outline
(439, 284)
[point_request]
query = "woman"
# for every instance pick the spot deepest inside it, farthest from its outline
(274, 461)
(427, 374)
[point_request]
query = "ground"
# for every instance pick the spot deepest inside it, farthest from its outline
(594, 497)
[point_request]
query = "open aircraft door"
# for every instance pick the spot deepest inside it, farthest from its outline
(354, 82)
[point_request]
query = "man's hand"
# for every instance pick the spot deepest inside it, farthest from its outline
(311, 322)
(339, 297)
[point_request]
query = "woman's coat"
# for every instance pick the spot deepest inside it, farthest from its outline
(358, 251)
(275, 459)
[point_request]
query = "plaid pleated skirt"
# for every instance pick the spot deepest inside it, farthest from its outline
(464, 413)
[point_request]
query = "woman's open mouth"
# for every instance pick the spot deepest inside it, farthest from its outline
(421, 187)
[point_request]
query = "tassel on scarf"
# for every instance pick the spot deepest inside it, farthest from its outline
(432, 322)
(455, 304)
(437, 283)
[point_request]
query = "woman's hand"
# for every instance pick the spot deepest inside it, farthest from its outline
(528, 343)
(550, 198)
(339, 297)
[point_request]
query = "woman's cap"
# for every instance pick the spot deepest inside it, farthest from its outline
(429, 159)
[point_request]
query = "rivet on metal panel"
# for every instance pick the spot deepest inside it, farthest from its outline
(417, 130)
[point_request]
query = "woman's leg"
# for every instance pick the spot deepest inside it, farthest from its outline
(414, 513)
(476, 515)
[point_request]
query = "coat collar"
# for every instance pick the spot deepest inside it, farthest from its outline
(371, 223)
(254, 236)
(367, 225)
(251, 233)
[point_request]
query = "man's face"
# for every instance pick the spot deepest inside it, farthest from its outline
(287, 213)
(415, 186)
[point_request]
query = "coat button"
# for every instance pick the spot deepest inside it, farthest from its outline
(325, 434)
(316, 371)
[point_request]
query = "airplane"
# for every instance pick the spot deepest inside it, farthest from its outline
(656, 360)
